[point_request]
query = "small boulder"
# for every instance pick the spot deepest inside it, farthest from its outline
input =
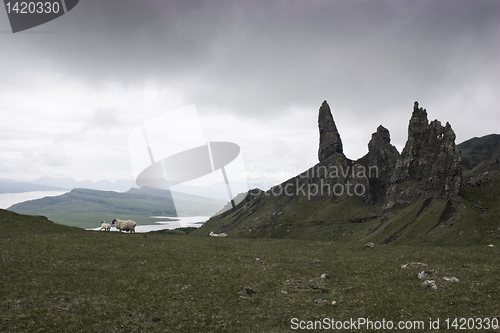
(430, 283)
(450, 279)
(323, 302)
(260, 261)
(371, 245)
(413, 264)
(325, 276)
(426, 274)
(247, 292)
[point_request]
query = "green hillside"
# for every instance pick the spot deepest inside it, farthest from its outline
(57, 278)
(428, 221)
(477, 150)
(471, 217)
(86, 208)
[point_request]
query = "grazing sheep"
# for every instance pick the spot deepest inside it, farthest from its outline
(105, 226)
(217, 235)
(127, 225)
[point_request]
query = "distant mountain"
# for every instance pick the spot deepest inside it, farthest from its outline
(10, 186)
(477, 150)
(422, 195)
(86, 208)
(215, 191)
(68, 183)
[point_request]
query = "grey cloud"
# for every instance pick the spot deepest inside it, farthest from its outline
(255, 57)
(105, 118)
(53, 158)
(260, 59)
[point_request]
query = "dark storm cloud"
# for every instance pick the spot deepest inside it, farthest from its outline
(262, 56)
(272, 61)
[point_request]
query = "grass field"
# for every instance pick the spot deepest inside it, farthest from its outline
(62, 279)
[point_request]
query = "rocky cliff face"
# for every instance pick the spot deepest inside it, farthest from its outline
(336, 177)
(410, 198)
(383, 156)
(429, 165)
(329, 138)
(338, 192)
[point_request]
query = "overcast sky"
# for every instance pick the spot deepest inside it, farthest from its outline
(73, 89)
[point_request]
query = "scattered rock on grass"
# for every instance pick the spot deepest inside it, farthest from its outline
(426, 274)
(325, 276)
(316, 261)
(247, 292)
(430, 283)
(370, 245)
(450, 279)
(260, 261)
(413, 264)
(323, 302)
(491, 245)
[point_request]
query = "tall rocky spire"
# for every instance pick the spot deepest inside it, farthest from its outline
(329, 138)
(429, 165)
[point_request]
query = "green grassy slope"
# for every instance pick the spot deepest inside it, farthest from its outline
(474, 221)
(476, 150)
(294, 217)
(63, 279)
(86, 208)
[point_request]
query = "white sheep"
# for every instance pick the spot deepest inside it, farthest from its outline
(105, 226)
(124, 225)
(217, 235)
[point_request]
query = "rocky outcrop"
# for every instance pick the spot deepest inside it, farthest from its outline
(335, 176)
(383, 156)
(429, 165)
(329, 138)
(338, 191)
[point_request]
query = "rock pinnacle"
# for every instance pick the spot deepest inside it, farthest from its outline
(329, 138)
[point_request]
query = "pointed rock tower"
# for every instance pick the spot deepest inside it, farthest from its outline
(383, 156)
(329, 138)
(429, 165)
